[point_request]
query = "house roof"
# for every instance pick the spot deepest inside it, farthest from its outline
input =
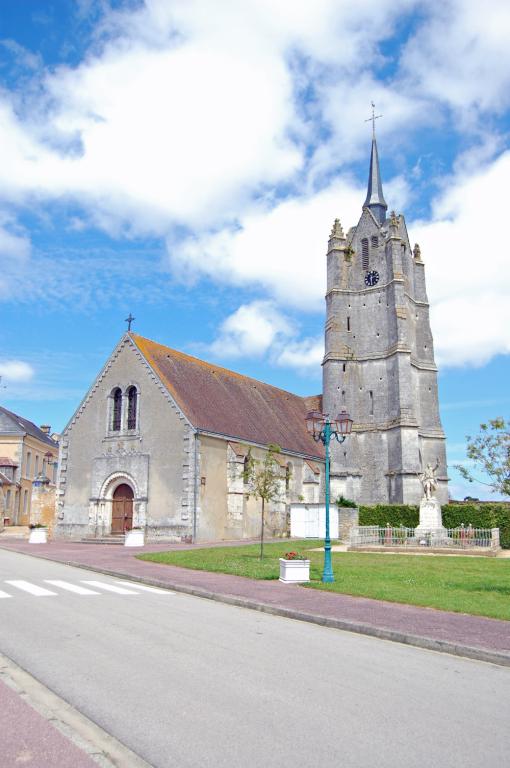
(10, 422)
(6, 462)
(223, 402)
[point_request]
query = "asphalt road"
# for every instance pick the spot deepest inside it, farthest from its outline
(189, 682)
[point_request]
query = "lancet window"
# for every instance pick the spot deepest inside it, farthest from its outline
(132, 406)
(117, 410)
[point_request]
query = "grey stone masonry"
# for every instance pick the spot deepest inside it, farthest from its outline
(379, 364)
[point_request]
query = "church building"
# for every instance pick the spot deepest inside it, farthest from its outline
(379, 358)
(161, 440)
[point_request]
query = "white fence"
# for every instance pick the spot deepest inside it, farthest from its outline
(451, 538)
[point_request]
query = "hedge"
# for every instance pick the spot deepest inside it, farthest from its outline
(481, 515)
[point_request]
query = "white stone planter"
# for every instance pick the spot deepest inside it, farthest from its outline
(38, 536)
(294, 571)
(134, 538)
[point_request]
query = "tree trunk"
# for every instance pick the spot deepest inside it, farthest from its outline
(262, 532)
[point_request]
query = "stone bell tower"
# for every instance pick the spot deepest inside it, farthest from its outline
(379, 358)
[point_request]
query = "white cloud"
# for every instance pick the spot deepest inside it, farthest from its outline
(281, 248)
(466, 256)
(459, 56)
(260, 329)
(251, 330)
(180, 116)
(16, 370)
(302, 354)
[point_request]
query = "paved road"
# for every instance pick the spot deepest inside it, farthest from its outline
(189, 682)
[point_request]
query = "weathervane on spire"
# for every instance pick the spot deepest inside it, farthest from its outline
(129, 320)
(373, 119)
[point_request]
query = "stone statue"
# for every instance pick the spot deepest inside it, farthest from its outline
(429, 481)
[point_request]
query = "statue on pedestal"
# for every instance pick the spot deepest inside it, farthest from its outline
(430, 508)
(429, 481)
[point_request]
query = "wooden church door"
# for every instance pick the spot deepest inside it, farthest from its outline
(122, 509)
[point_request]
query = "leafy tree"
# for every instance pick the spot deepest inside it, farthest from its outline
(264, 478)
(490, 450)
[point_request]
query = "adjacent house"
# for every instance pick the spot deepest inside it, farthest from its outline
(28, 455)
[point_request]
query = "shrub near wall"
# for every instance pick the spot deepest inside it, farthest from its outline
(488, 515)
(394, 514)
(483, 515)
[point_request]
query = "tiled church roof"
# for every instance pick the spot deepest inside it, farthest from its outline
(217, 400)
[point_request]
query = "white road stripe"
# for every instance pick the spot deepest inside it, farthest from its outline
(33, 589)
(71, 587)
(4, 594)
(147, 588)
(110, 587)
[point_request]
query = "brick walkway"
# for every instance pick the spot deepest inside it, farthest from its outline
(472, 636)
(27, 738)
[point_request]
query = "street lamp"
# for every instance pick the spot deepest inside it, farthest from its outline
(323, 429)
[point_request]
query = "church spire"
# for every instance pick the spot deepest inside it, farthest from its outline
(375, 198)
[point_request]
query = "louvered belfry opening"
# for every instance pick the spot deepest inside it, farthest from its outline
(364, 253)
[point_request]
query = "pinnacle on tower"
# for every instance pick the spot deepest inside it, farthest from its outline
(375, 198)
(336, 230)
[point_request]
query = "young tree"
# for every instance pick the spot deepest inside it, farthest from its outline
(264, 478)
(490, 450)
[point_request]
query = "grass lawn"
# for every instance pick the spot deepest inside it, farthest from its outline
(474, 585)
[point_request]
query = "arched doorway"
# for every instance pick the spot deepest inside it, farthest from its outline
(122, 509)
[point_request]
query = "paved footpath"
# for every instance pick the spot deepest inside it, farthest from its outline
(459, 634)
(26, 738)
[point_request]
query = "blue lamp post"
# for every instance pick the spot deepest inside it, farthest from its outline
(323, 429)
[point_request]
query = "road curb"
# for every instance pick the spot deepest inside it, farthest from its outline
(418, 641)
(100, 746)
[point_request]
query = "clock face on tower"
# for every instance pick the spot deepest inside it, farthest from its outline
(372, 278)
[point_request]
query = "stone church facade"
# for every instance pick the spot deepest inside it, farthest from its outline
(161, 439)
(379, 358)
(160, 442)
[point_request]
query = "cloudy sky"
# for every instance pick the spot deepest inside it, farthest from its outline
(183, 160)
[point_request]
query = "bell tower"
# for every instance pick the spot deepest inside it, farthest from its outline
(379, 357)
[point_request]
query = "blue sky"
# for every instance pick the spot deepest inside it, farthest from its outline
(186, 166)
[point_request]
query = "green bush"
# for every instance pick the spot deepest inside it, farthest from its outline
(343, 502)
(482, 515)
(479, 515)
(394, 514)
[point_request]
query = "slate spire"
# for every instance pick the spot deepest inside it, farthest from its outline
(375, 198)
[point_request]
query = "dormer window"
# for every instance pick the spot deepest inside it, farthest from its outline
(116, 409)
(132, 406)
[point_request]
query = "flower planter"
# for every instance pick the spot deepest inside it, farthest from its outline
(134, 538)
(38, 536)
(294, 571)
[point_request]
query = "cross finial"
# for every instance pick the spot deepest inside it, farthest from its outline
(373, 119)
(129, 320)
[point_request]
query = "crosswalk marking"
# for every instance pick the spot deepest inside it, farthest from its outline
(124, 588)
(146, 588)
(71, 587)
(32, 589)
(110, 587)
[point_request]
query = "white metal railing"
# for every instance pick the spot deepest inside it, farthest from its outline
(451, 538)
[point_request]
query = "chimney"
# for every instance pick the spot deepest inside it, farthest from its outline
(45, 428)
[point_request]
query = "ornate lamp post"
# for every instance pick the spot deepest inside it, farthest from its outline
(323, 429)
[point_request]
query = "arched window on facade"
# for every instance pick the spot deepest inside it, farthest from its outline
(132, 405)
(116, 409)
